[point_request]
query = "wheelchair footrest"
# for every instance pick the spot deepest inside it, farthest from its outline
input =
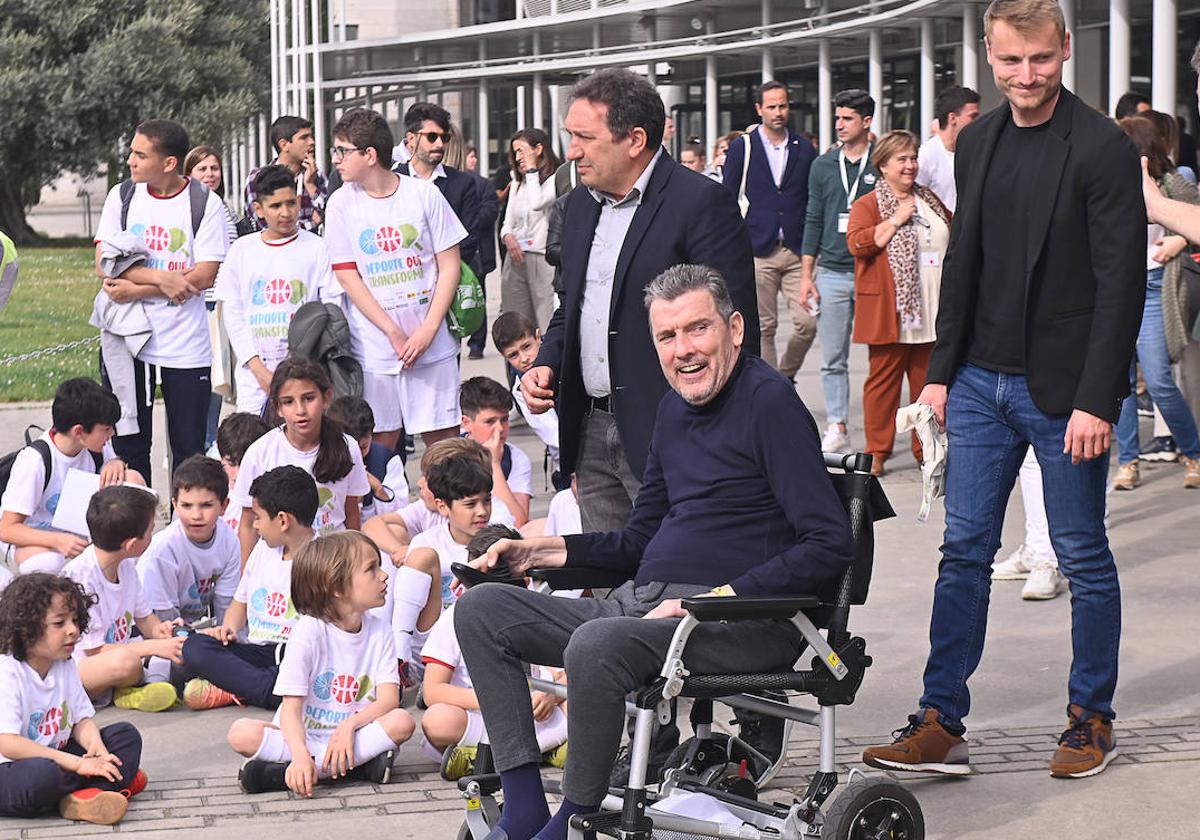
(723, 685)
(605, 821)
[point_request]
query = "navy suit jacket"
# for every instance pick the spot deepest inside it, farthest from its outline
(772, 207)
(683, 217)
(460, 192)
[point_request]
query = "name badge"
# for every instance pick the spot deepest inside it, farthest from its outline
(843, 222)
(932, 259)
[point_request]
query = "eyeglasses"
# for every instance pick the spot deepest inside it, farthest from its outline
(339, 152)
(433, 136)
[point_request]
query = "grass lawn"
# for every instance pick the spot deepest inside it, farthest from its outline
(50, 305)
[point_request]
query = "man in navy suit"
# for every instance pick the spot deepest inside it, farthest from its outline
(776, 186)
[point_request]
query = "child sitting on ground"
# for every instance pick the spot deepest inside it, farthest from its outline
(284, 503)
(52, 754)
(193, 566)
(234, 436)
(340, 716)
(519, 340)
(109, 657)
(85, 416)
(485, 408)
(385, 469)
(453, 726)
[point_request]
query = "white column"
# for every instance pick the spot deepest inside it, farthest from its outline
(556, 123)
(1118, 51)
(485, 167)
(304, 58)
(1068, 8)
(342, 20)
(649, 26)
(1162, 95)
(318, 96)
(768, 58)
(296, 63)
(712, 103)
(875, 77)
(274, 59)
(968, 74)
(234, 179)
(538, 86)
(264, 142)
(520, 107)
(595, 33)
(284, 67)
(824, 96)
(927, 83)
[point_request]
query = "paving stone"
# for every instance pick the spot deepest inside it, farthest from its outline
(422, 807)
(177, 824)
(297, 805)
(1179, 755)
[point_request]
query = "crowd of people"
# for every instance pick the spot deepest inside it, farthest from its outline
(998, 267)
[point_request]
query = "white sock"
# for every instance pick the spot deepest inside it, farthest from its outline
(370, 741)
(157, 670)
(50, 562)
(412, 593)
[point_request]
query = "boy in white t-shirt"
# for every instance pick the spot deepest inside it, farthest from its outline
(519, 340)
(385, 469)
(109, 656)
(170, 285)
(284, 504)
(193, 566)
(85, 415)
(485, 408)
(234, 436)
(394, 241)
(265, 278)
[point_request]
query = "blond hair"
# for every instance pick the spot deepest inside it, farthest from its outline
(892, 144)
(446, 449)
(322, 571)
(1025, 16)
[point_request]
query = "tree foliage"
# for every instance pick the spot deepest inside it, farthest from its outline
(77, 76)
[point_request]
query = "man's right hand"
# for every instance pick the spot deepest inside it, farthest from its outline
(175, 287)
(69, 545)
(523, 555)
(808, 289)
(535, 385)
(934, 396)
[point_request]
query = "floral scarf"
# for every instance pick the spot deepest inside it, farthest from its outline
(904, 252)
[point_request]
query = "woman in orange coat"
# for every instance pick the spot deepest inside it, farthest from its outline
(898, 236)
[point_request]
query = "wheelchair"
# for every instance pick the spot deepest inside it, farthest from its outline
(715, 766)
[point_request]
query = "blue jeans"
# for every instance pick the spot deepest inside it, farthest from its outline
(1156, 370)
(833, 329)
(991, 421)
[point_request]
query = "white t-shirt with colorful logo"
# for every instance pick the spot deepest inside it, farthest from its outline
(42, 710)
(336, 672)
(118, 605)
(24, 493)
(448, 551)
(273, 450)
(266, 590)
(178, 574)
(393, 242)
(179, 334)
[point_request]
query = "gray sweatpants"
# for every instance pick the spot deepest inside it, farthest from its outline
(608, 651)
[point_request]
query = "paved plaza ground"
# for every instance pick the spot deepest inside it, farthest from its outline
(1019, 696)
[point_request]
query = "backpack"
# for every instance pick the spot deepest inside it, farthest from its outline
(197, 194)
(35, 442)
(468, 309)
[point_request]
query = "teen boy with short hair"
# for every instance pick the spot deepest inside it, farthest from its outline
(292, 139)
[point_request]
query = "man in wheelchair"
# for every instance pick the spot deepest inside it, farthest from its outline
(735, 499)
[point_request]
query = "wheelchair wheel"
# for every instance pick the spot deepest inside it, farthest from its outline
(872, 807)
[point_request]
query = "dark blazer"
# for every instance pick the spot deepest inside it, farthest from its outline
(772, 207)
(489, 212)
(462, 195)
(1085, 267)
(683, 218)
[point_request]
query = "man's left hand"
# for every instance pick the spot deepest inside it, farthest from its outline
(1087, 436)
(672, 608)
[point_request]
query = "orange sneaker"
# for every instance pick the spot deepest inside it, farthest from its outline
(1086, 748)
(924, 746)
(200, 694)
(102, 807)
(140, 780)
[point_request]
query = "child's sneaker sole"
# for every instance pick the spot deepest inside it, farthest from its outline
(930, 767)
(1083, 774)
(153, 697)
(102, 807)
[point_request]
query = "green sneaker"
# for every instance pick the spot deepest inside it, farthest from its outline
(153, 697)
(556, 757)
(458, 761)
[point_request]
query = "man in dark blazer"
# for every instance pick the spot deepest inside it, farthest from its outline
(776, 187)
(1041, 300)
(635, 213)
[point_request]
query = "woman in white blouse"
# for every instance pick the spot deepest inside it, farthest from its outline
(527, 280)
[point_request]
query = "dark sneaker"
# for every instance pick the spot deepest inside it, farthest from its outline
(924, 746)
(1086, 748)
(1160, 449)
(262, 776)
(762, 732)
(662, 744)
(377, 771)
(1145, 406)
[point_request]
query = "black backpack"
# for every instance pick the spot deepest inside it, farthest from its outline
(197, 194)
(34, 441)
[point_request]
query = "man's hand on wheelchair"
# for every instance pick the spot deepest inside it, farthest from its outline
(523, 555)
(673, 608)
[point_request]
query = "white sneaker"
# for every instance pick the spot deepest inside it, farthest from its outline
(1013, 567)
(835, 440)
(1044, 583)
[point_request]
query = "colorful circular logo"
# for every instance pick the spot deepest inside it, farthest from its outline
(344, 688)
(278, 291)
(120, 628)
(276, 604)
(157, 238)
(49, 724)
(388, 238)
(366, 241)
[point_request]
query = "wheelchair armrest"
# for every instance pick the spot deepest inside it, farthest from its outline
(489, 783)
(579, 577)
(744, 608)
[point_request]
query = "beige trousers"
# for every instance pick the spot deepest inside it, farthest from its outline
(776, 272)
(528, 288)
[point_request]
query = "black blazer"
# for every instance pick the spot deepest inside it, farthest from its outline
(1085, 280)
(772, 207)
(461, 193)
(684, 217)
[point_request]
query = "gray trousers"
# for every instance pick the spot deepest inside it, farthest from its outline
(607, 487)
(608, 651)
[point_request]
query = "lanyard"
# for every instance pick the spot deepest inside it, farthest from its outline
(851, 189)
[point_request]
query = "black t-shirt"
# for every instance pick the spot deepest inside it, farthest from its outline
(1009, 190)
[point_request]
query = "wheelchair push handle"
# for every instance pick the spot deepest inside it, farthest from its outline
(859, 462)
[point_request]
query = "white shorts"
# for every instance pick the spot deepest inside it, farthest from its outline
(250, 396)
(274, 748)
(421, 399)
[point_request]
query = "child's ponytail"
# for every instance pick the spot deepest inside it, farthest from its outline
(333, 455)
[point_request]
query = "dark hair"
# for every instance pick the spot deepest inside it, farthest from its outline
(416, 116)
(119, 513)
(536, 137)
(24, 605)
(366, 129)
(767, 87)
(489, 535)
(236, 433)
(458, 477)
(271, 178)
(355, 415)
(287, 489)
(83, 402)
(199, 472)
(169, 139)
(857, 100)
(285, 128)
(951, 101)
(481, 392)
(510, 328)
(631, 102)
(1149, 144)
(1127, 105)
(1168, 129)
(694, 148)
(333, 457)
(200, 153)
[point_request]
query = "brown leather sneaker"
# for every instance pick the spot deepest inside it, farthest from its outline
(924, 746)
(1086, 748)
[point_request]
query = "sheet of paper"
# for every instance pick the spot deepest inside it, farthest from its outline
(78, 489)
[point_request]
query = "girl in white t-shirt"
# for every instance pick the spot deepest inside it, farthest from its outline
(339, 682)
(52, 754)
(300, 393)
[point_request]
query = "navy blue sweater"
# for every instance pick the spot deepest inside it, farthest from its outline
(734, 492)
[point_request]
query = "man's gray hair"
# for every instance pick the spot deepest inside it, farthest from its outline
(680, 279)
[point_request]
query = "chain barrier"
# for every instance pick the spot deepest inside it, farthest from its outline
(6, 361)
